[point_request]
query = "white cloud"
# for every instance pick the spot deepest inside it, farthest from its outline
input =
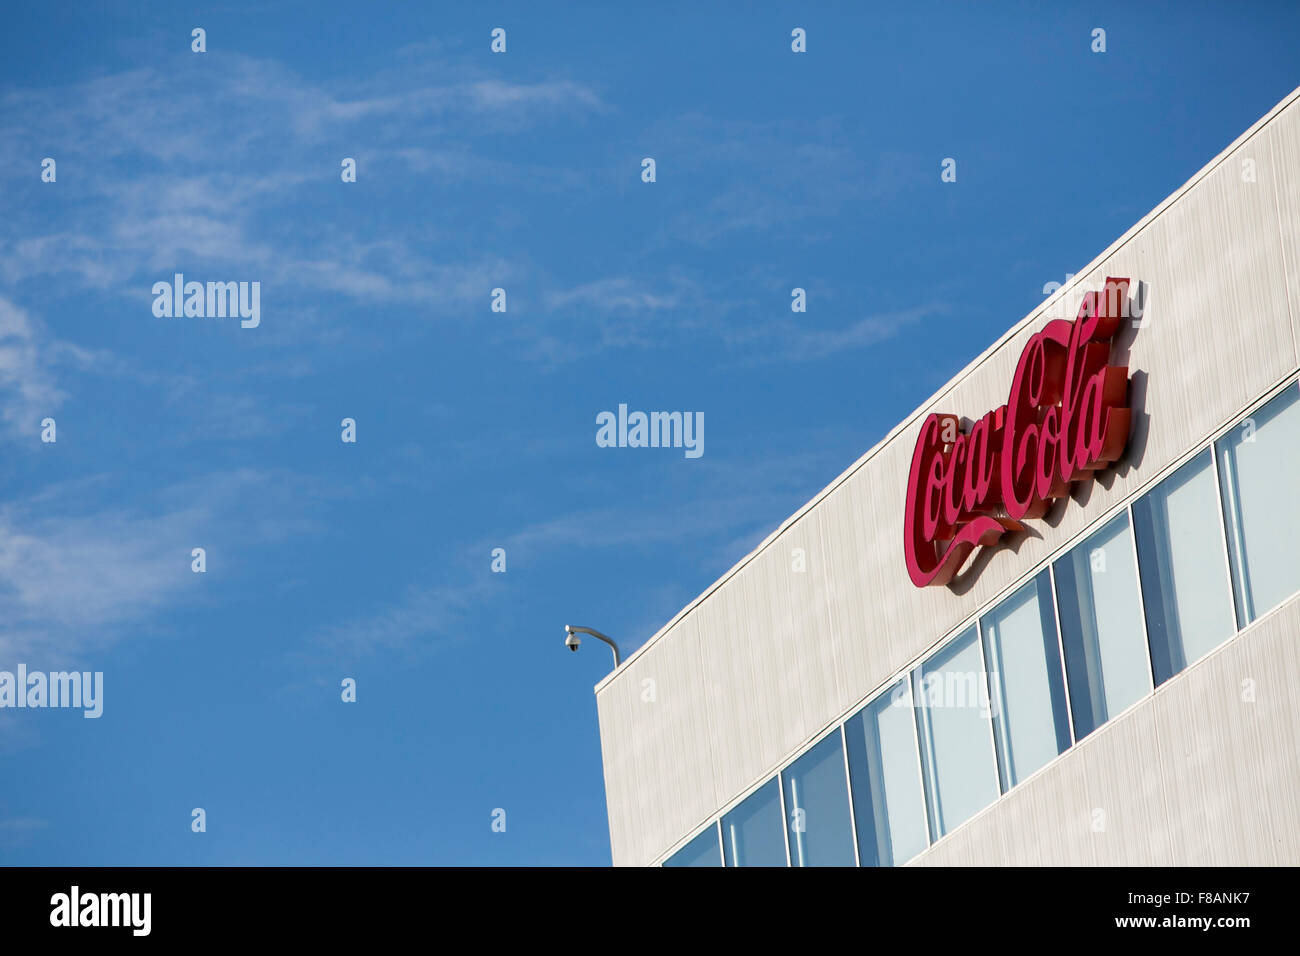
(74, 577)
(28, 355)
(20, 831)
(422, 617)
(617, 294)
(804, 344)
(229, 147)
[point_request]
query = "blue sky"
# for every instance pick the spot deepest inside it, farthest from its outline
(476, 430)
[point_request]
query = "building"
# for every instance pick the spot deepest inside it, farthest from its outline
(1118, 683)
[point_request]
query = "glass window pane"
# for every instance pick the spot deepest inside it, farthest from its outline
(702, 851)
(753, 834)
(1101, 626)
(817, 807)
(1184, 581)
(1258, 464)
(888, 802)
(960, 770)
(1030, 722)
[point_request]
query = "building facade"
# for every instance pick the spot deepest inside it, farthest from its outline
(1113, 681)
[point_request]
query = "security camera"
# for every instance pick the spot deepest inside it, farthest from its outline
(571, 639)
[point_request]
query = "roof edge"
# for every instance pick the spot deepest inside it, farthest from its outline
(1062, 293)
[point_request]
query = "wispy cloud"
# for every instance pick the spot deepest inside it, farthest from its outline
(150, 199)
(20, 831)
(264, 126)
(423, 615)
(68, 583)
(619, 294)
(770, 178)
(29, 356)
(75, 575)
(791, 341)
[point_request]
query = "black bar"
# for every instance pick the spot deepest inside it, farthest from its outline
(335, 906)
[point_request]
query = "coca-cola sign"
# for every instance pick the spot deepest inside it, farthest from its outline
(1066, 417)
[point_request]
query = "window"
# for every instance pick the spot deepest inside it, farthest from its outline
(956, 744)
(1101, 626)
(702, 851)
(888, 802)
(752, 833)
(1184, 580)
(1030, 722)
(1258, 463)
(817, 807)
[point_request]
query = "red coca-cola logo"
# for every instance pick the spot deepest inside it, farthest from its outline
(1066, 417)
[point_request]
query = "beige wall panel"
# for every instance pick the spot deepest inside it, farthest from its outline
(750, 710)
(759, 700)
(1123, 785)
(1241, 758)
(776, 686)
(841, 539)
(628, 824)
(805, 625)
(732, 677)
(618, 753)
(1283, 138)
(858, 591)
(664, 782)
(1046, 821)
